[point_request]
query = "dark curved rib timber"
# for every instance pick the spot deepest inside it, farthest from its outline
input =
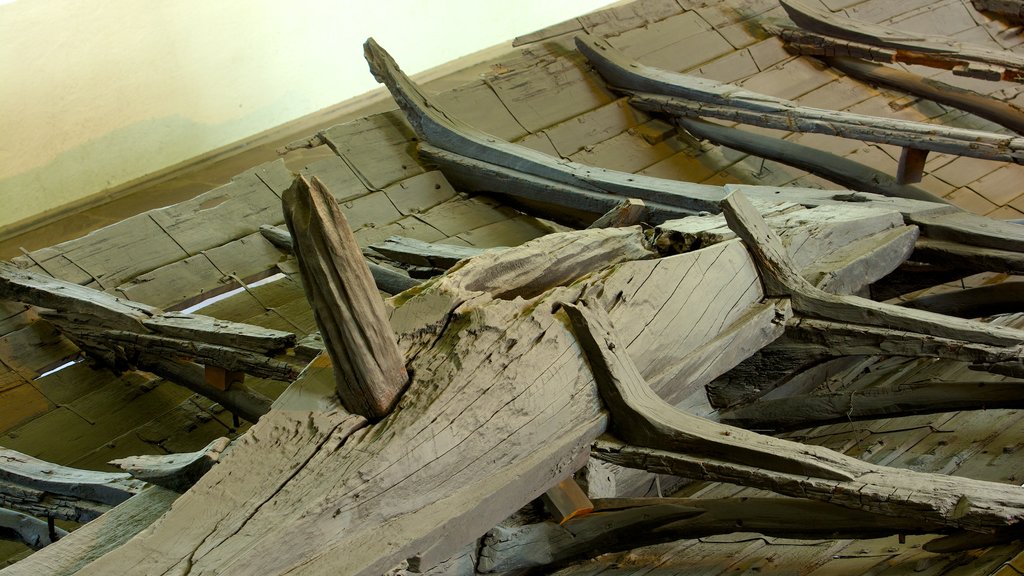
(1002, 113)
(675, 94)
(831, 34)
(432, 124)
(835, 168)
(477, 161)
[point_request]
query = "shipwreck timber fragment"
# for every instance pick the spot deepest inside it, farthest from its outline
(826, 33)
(369, 368)
(178, 347)
(43, 489)
(682, 95)
(1003, 113)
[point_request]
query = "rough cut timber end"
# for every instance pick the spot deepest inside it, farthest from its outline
(369, 369)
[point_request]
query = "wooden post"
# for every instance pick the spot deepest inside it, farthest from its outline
(368, 367)
(911, 166)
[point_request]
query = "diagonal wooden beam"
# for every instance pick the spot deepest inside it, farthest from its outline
(781, 278)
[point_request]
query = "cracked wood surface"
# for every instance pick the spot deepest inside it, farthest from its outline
(675, 94)
(369, 369)
(496, 378)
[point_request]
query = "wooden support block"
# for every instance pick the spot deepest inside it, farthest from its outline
(631, 211)
(567, 500)
(911, 167)
(222, 379)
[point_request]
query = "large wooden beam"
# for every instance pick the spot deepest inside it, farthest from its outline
(623, 524)
(929, 397)
(838, 169)
(782, 279)
(44, 489)
(831, 34)
(369, 369)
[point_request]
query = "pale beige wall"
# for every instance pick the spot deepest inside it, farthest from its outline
(96, 93)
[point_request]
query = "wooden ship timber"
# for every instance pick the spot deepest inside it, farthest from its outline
(606, 347)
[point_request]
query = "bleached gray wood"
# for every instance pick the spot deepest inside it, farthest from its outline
(971, 229)
(26, 529)
(952, 501)
(386, 279)
(220, 332)
(370, 371)
(175, 471)
(838, 169)
(40, 488)
(676, 94)
(631, 211)
(830, 32)
(853, 268)
(98, 537)
(623, 524)
(640, 417)
(782, 279)
(927, 397)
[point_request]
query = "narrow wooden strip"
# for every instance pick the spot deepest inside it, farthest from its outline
(970, 259)
(29, 530)
(929, 397)
(1002, 113)
(175, 471)
(835, 168)
(370, 370)
(386, 279)
(953, 501)
(677, 95)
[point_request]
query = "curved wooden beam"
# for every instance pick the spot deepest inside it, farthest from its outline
(832, 33)
(987, 107)
(781, 278)
(682, 95)
(843, 171)
(439, 128)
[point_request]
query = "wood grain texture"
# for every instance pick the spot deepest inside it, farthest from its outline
(370, 370)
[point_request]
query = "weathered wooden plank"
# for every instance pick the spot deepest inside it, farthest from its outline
(926, 397)
(448, 133)
(98, 537)
(972, 229)
(664, 92)
(1003, 113)
(40, 488)
(832, 167)
(418, 253)
(640, 417)
(370, 370)
(376, 148)
(222, 214)
(175, 471)
(29, 530)
(851, 269)
(628, 213)
(781, 277)
(955, 502)
(622, 524)
(890, 45)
